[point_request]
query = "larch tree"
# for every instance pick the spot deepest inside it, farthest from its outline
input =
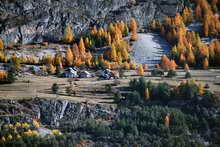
(133, 25)
(51, 69)
(153, 25)
(165, 62)
(119, 58)
(206, 27)
(205, 63)
(113, 53)
(133, 66)
(126, 66)
(16, 62)
(75, 51)
(162, 31)
(68, 34)
(82, 48)
(1, 45)
(126, 30)
(201, 89)
(146, 94)
(167, 121)
(134, 36)
(173, 65)
(140, 71)
(190, 57)
(69, 57)
(178, 19)
(124, 53)
(211, 50)
(87, 42)
(186, 67)
(109, 39)
(94, 30)
(182, 59)
(198, 13)
(58, 60)
(3, 75)
(174, 51)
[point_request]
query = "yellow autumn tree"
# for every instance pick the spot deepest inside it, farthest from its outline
(3, 75)
(113, 54)
(205, 63)
(182, 59)
(167, 121)
(206, 28)
(133, 25)
(190, 57)
(201, 89)
(68, 34)
(146, 94)
(126, 66)
(134, 36)
(1, 45)
(124, 53)
(133, 66)
(165, 62)
(58, 60)
(186, 67)
(173, 65)
(82, 48)
(140, 71)
(69, 57)
(51, 69)
(87, 42)
(109, 39)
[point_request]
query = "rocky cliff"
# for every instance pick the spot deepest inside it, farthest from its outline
(26, 21)
(53, 112)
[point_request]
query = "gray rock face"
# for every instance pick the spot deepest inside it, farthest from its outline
(53, 112)
(26, 21)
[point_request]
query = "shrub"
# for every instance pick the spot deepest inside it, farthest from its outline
(188, 75)
(171, 73)
(134, 98)
(157, 72)
(187, 90)
(11, 77)
(117, 97)
(162, 92)
(55, 88)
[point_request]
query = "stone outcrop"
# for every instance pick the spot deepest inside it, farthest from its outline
(27, 21)
(53, 112)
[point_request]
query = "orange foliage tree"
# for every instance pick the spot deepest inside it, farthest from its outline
(140, 71)
(68, 34)
(133, 28)
(3, 75)
(113, 54)
(205, 63)
(165, 62)
(1, 45)
(69, 57)
(82, 48)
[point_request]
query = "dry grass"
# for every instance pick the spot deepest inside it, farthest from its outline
(91, 90)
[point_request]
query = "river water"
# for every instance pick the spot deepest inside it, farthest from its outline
(149, 48)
